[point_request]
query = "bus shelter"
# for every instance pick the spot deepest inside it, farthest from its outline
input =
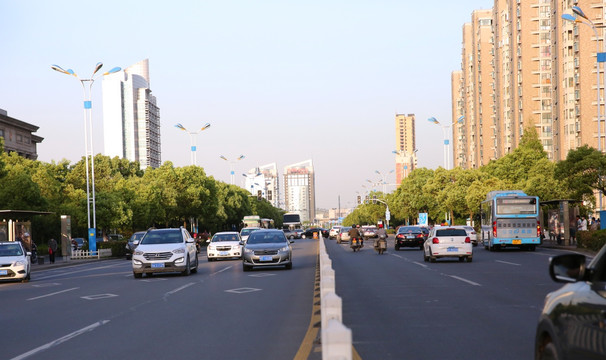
(557, 216)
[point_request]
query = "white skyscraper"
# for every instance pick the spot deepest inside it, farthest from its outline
(299, 190)
(264, 179)
(131, 119)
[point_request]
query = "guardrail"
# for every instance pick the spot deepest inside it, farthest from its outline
(87, 254)
(336, 338)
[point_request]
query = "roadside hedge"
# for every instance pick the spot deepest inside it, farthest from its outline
(592, 240)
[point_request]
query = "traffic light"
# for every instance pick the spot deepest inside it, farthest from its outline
(359, 199)
(269, 195)
(259, 195)
(366, 199)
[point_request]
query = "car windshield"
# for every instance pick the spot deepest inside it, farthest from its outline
(266, 238)
(409, 230)
(245, 231)
(137, 236)
(162, 237)
(451, 232)
(11, 250)
(225, 237)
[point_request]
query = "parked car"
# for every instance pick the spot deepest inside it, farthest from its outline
(410, 236)
(80, 241)
(309, 233)
(130, 245)
(246, 231)
(369, 232)
(449, 241)
(343, 235)
(471, 232)
(165, 250)
(332, 233)
(15, 262)
(572, 324)
(267, 248)
(224, 245)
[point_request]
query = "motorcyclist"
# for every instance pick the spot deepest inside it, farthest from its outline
(353, 232)
(381, 234)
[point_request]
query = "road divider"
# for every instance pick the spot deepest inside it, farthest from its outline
(336, 338)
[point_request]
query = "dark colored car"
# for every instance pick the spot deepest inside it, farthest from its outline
(411, 236)
(130, 247)
(573, 321)
(309, 233)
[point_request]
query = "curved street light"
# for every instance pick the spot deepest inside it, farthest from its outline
(192, 140)
(88, 144)
(231, 166)
(460, 120)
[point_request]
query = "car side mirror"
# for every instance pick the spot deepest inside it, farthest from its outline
(291, 241)
(136, 242)
(241, 242)
(208, 240)
(568, 268)
(28, 253)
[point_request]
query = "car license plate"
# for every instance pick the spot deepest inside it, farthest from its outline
(157, 265)
(517, 242)
(452, 249)
(3, 272)
(266, 258)
(410, 237)
(223, 253)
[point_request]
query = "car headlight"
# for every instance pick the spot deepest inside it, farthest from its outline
(139, 252)
(137, 262)
(20, 263)
(248, 251)
(180, 260)
(211, 247)
(236, 247)
(179, 251)
(284, 248)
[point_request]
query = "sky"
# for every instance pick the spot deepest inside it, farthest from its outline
(279, 81)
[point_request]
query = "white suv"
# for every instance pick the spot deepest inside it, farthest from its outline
(332, 234)
(224, 245)
(165, 250)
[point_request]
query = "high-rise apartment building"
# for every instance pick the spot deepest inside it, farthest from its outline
(406, 151)
(524, 67)
(263, 180)
(131, 118)
(19, 136)
(299, 190)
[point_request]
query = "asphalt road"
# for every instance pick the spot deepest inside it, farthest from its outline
(99, 311)
(400, 307)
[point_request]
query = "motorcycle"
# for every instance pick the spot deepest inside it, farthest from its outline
(381, 245)
(356, 244)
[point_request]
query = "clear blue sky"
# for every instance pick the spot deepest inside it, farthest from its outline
(279, 81)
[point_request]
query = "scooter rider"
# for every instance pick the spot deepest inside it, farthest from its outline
(353, 232)
(381, 234)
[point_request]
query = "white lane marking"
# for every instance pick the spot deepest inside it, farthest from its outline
(99, 296)
(242, 290)
(61, 340)
(46, 285)
(397, 256)
(508, 263)
(420, 264)
(179, 289)
(261, 275)
(464, 280)
(77, 271)
(51, 294)
(220, 271)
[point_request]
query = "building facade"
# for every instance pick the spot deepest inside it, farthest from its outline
(406, 150)
(263, 181)
(131, 118)
(299, 190)
(18, 136)
(532, 69)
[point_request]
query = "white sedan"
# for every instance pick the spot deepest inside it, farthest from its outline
(451, 241)
(224, 245)
(14, 261)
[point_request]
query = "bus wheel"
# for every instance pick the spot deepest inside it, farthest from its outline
(532, 247)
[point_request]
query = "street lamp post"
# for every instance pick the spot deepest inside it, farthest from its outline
(192, 139)
(446, 140)
(383, 178)
(231, 166)
(88, 146)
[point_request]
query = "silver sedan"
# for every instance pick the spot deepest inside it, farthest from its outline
(267, 248)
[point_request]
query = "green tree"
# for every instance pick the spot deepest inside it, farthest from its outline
(583, 171)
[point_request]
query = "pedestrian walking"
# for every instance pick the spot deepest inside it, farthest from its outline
(573, 232)
(583, 224)
(52, 250)
(594, 224)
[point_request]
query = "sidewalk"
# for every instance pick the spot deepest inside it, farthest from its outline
(552, 244)
(60, 261)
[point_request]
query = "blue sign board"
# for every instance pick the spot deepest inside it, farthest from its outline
(423, 219)
(92, 239)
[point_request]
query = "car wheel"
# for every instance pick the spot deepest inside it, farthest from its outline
(425, 257)
(195, 268)
(246, 267)
(461, 259)
(533, 247)
(431, 257)
(138, 275)
(548, 352)
(397, 248)
(288, 266)
(187, 270)
(469, 259)
(26, 279)
(209, 259)
(421, 247)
